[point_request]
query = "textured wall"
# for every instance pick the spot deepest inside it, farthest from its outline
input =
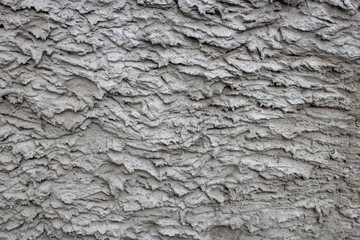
(179, 119)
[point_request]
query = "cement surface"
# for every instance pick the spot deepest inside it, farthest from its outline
(179, 119)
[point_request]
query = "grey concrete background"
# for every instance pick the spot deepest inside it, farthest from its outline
(187, 119)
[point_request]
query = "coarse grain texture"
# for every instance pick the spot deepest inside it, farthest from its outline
(180, 119)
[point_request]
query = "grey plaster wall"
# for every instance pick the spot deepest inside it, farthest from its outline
(179, 119)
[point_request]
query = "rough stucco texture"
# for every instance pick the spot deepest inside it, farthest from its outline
(165, 119)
